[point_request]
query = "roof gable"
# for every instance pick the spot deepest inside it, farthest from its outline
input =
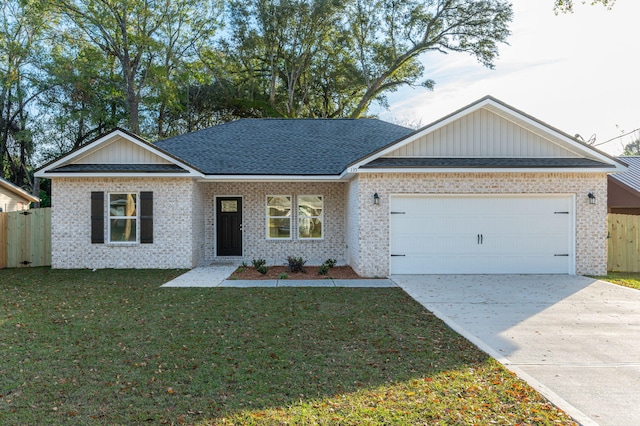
(117, 153)
(493, 131)
(483, 133)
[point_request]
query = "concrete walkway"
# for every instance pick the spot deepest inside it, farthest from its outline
(216, 275)
(574, 339)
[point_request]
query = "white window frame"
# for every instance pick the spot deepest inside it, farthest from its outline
(290, 217)
(111, 217)
(321, 217)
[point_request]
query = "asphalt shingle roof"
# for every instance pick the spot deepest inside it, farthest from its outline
(282, 146)
(630, 177)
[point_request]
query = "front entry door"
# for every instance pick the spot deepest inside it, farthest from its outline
(229, 226)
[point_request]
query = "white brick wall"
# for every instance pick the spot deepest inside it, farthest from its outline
(173, 239)
(352, 224)
(355, 230)
(591, 224)
(255, 244)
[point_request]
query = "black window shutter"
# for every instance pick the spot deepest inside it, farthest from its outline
(97, 217)
(146, 217)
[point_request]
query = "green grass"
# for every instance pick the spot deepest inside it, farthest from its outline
(111, 347)
(626, 279)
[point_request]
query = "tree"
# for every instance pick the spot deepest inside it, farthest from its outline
(390, 36)
(138, 34)
(333, 58)
(23, 24)
(633, 147)
(82, 99)
(566, 6)
(276, 45)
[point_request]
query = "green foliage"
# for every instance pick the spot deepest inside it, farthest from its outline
(626, 279)
(283, 276)
(633, 148)
(566, 6)
(330, 262)
(258, 263)
(295, 264)
(263, 269)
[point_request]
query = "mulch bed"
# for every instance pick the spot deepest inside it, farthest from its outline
(276, 272)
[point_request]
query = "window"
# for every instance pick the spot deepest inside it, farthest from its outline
(123, 218)
(279, 216)
(310, 215)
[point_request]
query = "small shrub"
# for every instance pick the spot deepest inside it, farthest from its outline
(283, 276)
(241, 269)
(263, 269)
(323, 269)
(330, 262)
(244, 264)
(296, 264)
(258, 263)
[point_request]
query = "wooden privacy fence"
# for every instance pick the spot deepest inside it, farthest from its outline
(25, 238)
(623, 243)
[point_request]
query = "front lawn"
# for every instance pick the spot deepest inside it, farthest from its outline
(111, 347)
(627, 279)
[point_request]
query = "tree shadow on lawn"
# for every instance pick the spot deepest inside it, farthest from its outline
(110, 347)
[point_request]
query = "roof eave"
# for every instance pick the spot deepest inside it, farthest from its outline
(53, 174)
(484, 170)
(272, 178)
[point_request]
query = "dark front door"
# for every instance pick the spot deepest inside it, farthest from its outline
(229, 226)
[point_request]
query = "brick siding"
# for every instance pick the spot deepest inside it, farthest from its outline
(173, 239)
(591, 223)
(275, 252)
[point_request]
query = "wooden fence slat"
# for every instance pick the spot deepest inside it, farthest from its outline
(623, 243)
(26, 237)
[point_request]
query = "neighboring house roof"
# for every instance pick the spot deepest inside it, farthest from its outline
(630, 177)
(282, 146)
(18, 191)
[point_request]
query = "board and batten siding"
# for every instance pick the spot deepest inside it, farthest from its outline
(482, 134)
(121, 151)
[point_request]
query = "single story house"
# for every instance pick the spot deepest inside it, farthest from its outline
(13, 198)
(623, 194)
(486, 189)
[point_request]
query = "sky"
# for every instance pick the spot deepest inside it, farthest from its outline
(578, 72)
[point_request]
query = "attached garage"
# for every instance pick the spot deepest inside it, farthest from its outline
(482, 234)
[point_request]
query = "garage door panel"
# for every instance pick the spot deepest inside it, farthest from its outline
(486, 234)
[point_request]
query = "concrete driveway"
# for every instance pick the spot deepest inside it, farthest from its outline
(575, 339)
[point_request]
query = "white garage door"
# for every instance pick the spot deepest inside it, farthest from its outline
(481, 234)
